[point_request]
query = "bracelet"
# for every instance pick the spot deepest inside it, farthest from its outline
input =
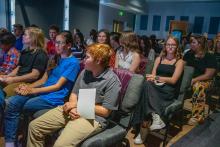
(156, 78)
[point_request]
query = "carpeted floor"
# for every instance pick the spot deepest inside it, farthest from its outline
(205, 135)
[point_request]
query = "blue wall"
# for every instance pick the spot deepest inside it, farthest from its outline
(178, 9)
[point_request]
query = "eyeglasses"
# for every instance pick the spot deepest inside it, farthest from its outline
(171, 45)
(60, 43)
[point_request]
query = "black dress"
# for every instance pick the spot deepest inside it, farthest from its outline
(156, 98)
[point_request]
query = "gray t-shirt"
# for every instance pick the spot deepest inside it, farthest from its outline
(107, 87)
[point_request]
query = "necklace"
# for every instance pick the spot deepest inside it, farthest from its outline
(170, 59)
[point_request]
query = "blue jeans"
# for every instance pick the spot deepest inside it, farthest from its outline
(2, 103)
(15, 106)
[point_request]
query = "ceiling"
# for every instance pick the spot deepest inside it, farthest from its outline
(140, 6)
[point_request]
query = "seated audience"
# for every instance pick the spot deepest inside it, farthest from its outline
(79, 46)
(160, 89)
(3, 30)
(146, 48)
(96, 75)
(104, 37)
(18, 32)
(155, 44)
(45, 94)
(210, 45)
(92, 37)
(53, 32)
(217, 53)
(10, 53)
(205, 67)
(32, 63)
(51, 49)
(128, 57)
(114, 41)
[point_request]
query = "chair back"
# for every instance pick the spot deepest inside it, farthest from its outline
(185, 85)
(142, 65)
(131, 89)
(119, 122)
(149, 67)
(186, 82)
(124, 77)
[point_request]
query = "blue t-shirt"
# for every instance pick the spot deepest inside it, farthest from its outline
(67, 68)
(19, 43)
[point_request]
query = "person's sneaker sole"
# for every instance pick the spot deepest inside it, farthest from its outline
(157, 127)
(138, 141)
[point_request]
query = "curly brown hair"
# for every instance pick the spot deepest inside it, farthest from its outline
(178, 53)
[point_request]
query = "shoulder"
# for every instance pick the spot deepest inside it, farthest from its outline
(180, 62)
(41, 55)
(13, 51)
(189, 53)
(40, 52)
(209, 55)
(136, 55)
(119, 51)
(73, 60)
(157, 60)
(111, 76)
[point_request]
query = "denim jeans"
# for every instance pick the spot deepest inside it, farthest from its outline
(15, 106)
(2, 103)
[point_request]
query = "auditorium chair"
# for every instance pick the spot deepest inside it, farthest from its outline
(177, 106)
(119, 121)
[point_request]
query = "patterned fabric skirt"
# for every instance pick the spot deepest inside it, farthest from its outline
(198, 101)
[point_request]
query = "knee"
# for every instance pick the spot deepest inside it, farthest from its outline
(11, 105)
(58, 144)
(61, 143)
(33, 127)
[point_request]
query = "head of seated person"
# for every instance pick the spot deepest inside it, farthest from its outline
(97, 57)
(204, 62)
(128, 57)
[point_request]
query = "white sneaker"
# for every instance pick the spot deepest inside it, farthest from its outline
(157, 122)
(141, 137)
(138, 139)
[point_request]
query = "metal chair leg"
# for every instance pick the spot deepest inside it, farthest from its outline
(166, 134)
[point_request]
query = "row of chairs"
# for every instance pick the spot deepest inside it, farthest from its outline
(117, 131)
(120, 120)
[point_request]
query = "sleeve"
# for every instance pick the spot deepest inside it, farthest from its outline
(40, 62)
(211, 61)
(13, 61)
(71, 71)
(19, 61)
(111, 94)
(77, 83)
(186, 57)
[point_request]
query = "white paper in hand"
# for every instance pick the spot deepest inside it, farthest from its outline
(86, 103)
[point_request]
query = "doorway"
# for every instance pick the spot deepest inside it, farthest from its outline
(118, 26)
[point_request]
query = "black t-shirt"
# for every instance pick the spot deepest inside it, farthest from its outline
(200, 64)
(31, 59)
(217, 55)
